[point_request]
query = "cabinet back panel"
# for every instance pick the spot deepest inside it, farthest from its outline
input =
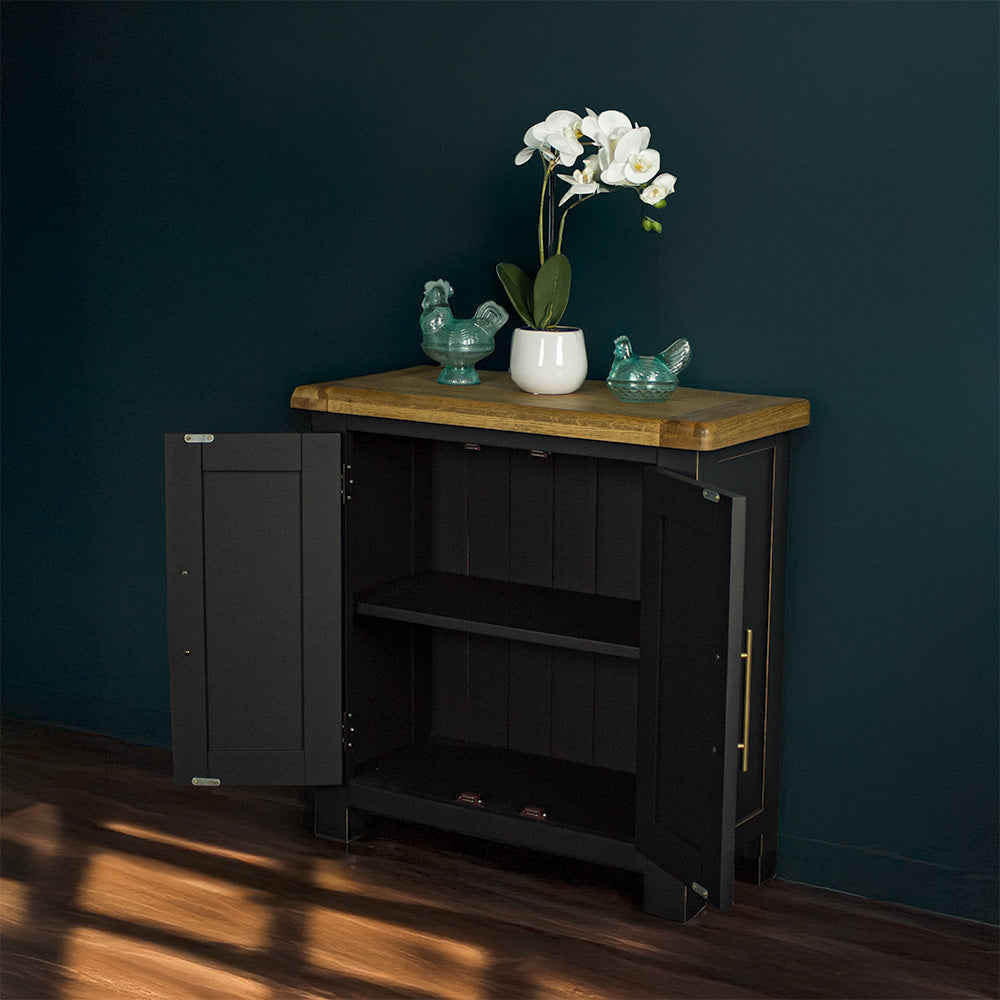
(389, 687)
(567, 521)
(388, 514)
(543, 700)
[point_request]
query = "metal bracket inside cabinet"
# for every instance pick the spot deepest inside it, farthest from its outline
(199, 438)
(206, 782)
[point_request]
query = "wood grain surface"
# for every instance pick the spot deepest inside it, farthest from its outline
(689, 419)
(117, 883)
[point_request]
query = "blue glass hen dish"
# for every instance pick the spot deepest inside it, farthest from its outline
(457, 344)
(646, 379)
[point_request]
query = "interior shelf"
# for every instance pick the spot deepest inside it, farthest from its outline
(512, 788)
(568, 619)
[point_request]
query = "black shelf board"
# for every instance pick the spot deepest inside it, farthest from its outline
(589, 811)
(568, 619)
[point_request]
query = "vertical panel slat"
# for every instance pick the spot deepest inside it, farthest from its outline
(530, 519)
(530, 711)
(489, 556)
(619, 528)
(489, 510)
(488, 690)
(450, 554)
(450, 684)
(449, 509)
(574, 541)
(530, 708)
(573, 705)
(615, 708)
(322, 607)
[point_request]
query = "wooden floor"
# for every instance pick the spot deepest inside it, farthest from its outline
(116, 883)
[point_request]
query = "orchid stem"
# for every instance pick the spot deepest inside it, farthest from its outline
(562, 221)
(541, 211)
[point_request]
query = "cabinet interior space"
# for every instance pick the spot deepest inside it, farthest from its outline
(493, 627)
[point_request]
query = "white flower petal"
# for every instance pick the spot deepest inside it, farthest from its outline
(526, 154)
(610, 121)
(641, 167)
(614, 173)
(634, 141)
(563, 121)
(536, 134)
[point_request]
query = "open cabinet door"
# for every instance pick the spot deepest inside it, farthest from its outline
(254, 607)
(690, 681)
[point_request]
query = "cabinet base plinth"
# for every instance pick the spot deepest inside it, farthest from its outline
(332, 819)
(663, 896)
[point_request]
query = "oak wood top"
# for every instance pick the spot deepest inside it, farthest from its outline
(689, 419)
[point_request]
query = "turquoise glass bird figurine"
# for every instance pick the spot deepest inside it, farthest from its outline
(457, 344)
(646, 379)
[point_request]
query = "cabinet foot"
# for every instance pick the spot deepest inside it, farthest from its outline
(664, 896)
(756, 859)
(332, 818)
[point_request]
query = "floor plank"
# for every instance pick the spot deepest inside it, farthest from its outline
(117, 883)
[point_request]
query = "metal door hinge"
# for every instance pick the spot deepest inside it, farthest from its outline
(700, 889)
(206, 782)
(535, 453)
(470, 799)
(199, 438)
(347, 730)
(346, 482)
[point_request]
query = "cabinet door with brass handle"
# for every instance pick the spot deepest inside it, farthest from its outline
(691, 681)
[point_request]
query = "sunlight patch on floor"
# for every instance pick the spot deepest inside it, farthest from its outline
(215, 850)
(146, 893)
(13, 903)
(106, 965)
(393, 956)
(38, 826)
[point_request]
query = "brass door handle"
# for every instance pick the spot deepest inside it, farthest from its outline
(747, 657)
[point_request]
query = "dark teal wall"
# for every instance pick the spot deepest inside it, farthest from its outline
(208, 204)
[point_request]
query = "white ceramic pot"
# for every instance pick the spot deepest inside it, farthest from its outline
(548, 362)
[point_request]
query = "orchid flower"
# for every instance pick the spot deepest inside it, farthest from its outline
(622, 159)
(558, 134)
(583, 182)
(605, 128)
(657, 190)
(631, 161)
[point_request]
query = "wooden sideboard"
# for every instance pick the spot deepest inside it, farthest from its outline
(551, 621)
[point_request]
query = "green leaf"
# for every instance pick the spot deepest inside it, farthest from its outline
(551, 293)
(518, 287)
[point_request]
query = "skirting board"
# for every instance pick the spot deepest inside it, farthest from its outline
(881, 875)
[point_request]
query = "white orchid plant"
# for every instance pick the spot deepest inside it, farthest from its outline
(622, 159)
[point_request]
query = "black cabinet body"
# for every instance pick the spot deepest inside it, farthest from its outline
(567, 645)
